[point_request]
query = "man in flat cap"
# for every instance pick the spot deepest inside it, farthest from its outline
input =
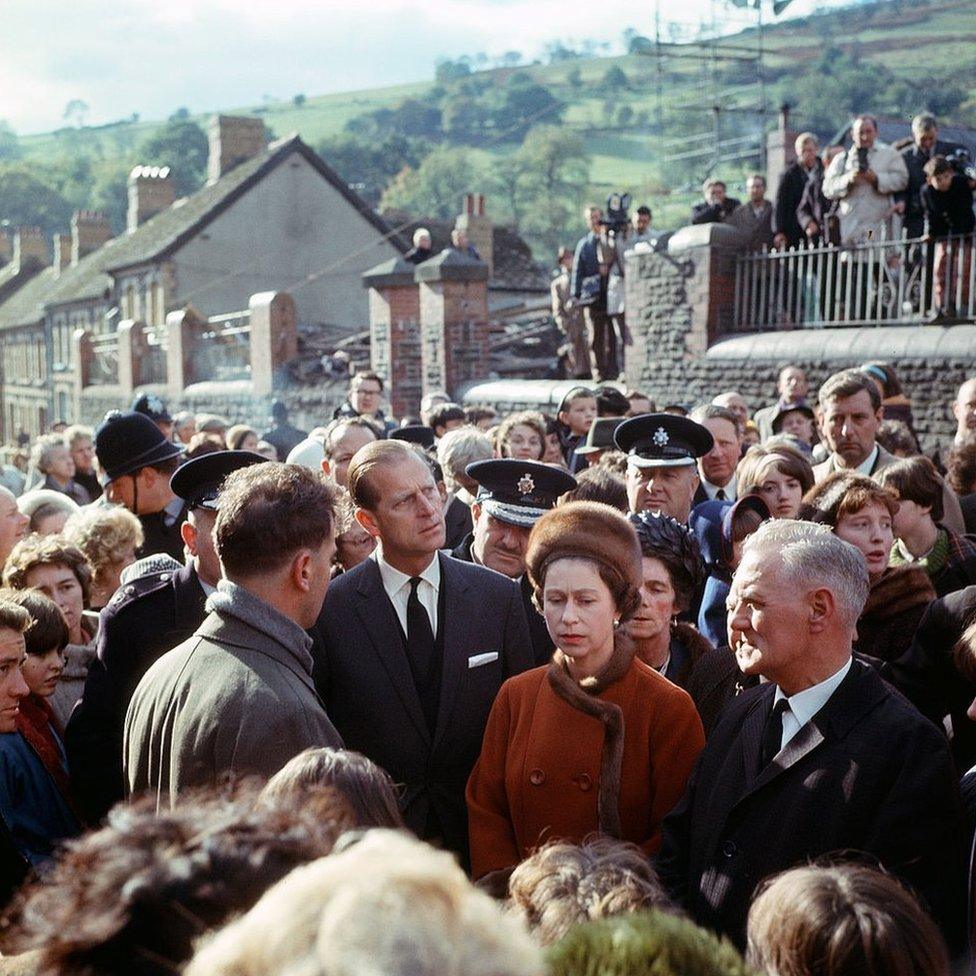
(145, 618)
(512, 497)
(137, 462)
(662, 457)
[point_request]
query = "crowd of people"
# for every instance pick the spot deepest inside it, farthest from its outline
(632, 688)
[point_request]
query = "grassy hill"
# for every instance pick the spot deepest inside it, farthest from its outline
(670, 98)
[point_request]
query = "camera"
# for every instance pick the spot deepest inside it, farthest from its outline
(862, 160)
(616, 219)
(959, 160)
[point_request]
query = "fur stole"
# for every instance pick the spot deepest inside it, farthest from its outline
(899, 589)
(584, 696)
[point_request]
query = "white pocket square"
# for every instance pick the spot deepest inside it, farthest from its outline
(479, 659)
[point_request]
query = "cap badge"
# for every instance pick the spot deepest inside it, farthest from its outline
(661, 437)
(526, 485)
(154, 403)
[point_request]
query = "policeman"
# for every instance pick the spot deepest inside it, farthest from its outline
(136, 463)
(512, 497)
(662, 454)
(146, 617)
(155, 409)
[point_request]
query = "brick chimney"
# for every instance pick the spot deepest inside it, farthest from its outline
(30, 248)
(6, 248)
(478, 227)
(780, 153)
(232, 140)
(90, 229)
(62, 253)
(151, 190)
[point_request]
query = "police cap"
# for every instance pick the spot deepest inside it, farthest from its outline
(662, 440)
(154, 407)
(518, 492)
(198, 482)
(127, 442)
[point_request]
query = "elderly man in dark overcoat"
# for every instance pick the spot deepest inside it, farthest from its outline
(415, 644)
(237, 697)
(822, 759)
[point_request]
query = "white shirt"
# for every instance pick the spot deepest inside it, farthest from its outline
(397, 586)
(805, 704)
(712, 490)
(867, 465)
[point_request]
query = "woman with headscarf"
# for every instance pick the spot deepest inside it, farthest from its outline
(596, 741)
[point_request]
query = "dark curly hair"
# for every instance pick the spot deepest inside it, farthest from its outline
(133, 897)
(664, 538)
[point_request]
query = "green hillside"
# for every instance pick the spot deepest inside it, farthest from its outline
(892, 56)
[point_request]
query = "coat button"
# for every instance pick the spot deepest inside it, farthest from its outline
(729, 849)
(537, 777)
(584, 782)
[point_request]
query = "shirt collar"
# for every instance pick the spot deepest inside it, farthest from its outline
(712, 490)
(394, 580)
(867, 465)
(805, 704)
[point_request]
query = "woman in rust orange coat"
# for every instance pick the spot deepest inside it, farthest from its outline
(596, 741)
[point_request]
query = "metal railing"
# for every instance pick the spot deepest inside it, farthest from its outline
(223, 350)
(884, 282)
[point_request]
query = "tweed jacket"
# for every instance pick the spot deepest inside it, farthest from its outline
(561, 761)
(236, 698)
(867, 774)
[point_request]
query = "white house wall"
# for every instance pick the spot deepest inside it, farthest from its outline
(290, 225)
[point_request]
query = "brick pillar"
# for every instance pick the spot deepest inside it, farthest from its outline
(133, 348)
(394, 329)
(274, 337)
(454, 326)
(183, 328)
(677, 305)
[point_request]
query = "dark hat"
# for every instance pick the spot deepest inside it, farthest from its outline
(154, 407)
(127, 442)
(198, 482)
(414, 434)
(662, 440)
(600, 435)
(785, 408)
(518, 492)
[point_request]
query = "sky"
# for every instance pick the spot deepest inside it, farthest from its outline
(153, 56)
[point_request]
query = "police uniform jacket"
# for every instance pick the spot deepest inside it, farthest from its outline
(542, 645)
(142, 621)
(160, 536)
(867, 773)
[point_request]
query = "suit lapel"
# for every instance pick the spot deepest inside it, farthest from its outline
(451, 623)
(379, 619)
(751, 736)
(803, 743)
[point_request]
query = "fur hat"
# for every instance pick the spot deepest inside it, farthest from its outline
(588, 530)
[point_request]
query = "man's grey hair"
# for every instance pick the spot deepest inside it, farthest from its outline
(459, 448)
(419, 234)
(925, 122)
(336, 430)
(811, 556)
(75, 433)
(803, 138)
(43, 448)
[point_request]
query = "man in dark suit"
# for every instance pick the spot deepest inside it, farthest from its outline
(823, 758)
(787, 231)
(414, 645)
(143, 620)
(512, 497)
(926, 145)
(716, 207)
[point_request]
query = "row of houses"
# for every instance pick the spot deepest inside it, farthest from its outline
(271, 217)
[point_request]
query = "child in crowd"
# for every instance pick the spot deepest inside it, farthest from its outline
(34, 790)
(576, 413)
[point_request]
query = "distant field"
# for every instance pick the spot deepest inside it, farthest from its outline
(936, 35)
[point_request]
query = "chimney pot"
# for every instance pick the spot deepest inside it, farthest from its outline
(151, 190)
(478, 227)
(233, 139)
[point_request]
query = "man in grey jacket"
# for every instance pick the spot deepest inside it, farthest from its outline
(237, 697)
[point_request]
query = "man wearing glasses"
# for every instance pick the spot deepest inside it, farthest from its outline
(365, 397)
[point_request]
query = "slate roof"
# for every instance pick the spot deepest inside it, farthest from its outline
(167, 231)
(513, 266)
(13, 276)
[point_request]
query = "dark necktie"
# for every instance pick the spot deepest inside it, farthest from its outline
(420, 637)
(720, 495)
(773, 733)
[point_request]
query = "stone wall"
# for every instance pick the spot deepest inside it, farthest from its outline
(678, 305)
